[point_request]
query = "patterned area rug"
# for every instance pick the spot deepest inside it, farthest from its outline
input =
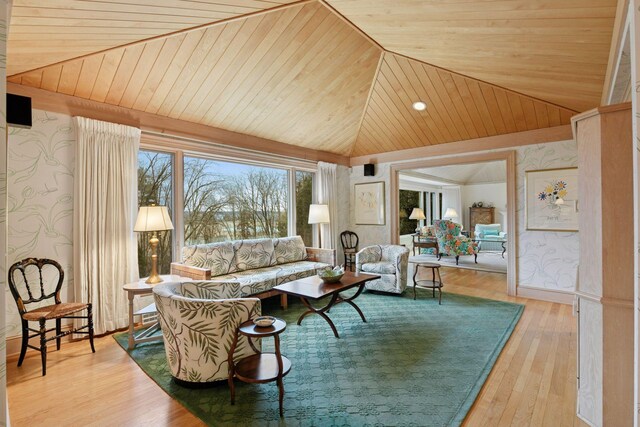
(412, 363)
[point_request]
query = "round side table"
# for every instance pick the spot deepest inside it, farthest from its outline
(261, 367)
(431, 284)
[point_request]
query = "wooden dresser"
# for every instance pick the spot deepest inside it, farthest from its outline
(480, 216)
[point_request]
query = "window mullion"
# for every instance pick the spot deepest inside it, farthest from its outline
(178, 204)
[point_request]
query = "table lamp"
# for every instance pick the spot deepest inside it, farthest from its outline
(417, 213)
(450, 214)
(153, 218)
(319, 214)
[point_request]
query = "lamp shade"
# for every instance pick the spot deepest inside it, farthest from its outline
(451, 213)
(153, 218)
(318, 214)
(417, 213)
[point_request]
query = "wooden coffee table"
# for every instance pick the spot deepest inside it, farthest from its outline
(313, 288)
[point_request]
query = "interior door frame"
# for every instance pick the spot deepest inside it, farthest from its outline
(504, 155)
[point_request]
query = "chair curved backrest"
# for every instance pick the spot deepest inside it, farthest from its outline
(34, 285)
(349, 240)
(199, 322)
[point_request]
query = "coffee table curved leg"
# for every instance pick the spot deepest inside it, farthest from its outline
(320, 312)
(353, 304)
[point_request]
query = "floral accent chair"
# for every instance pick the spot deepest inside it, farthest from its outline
(451, 242)
(390, 262)
(199, 322)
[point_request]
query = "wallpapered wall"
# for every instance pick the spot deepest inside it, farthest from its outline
(40, 209)
(4, 26)
(546, 260)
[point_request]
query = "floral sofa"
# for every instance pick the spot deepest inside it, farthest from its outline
(390, 262)
(451, 242)
(198, 322)
(255, 266)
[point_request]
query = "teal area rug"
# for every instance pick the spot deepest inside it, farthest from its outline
(414, 363)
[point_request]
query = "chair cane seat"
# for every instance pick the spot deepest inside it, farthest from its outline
(54, 311)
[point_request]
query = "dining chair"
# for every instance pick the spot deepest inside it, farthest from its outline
(349, 241)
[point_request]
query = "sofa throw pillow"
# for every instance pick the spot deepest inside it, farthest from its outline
(490, 232)
(289, 249)
(251, 254)
(218, 257)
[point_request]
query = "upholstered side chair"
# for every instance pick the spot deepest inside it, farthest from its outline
(199, 322)
(390, 262)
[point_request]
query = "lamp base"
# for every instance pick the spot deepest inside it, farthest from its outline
(154, 280)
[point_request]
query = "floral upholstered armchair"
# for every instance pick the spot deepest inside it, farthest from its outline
(390, 262)
(451, 242)
(199, 322)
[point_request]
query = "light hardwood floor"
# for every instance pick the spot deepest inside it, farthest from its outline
(532, 383)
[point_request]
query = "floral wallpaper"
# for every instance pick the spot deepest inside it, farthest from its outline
(3, 208)
(40, 209)
(547, 260)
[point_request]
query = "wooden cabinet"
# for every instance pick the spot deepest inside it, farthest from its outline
(480, 216)
(605, 288)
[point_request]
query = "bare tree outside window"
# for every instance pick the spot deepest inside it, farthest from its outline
(304, 197)
(228, 201)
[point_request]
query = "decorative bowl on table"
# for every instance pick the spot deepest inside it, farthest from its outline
(331, 276)
(264, 321)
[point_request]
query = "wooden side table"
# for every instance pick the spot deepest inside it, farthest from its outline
(425, 242)
(432, 284)
(140, 288)
(261, 367)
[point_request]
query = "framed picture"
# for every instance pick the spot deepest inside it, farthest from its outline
(369, 203)
(551, 199)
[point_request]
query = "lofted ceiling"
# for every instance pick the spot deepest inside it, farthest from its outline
(556, 50)
(466, 174)
(301, 72)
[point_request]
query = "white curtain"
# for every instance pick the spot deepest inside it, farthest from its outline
(326, 194)
(105, 205)
(452, 198)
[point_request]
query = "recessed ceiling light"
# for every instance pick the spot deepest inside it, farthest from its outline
(419, 106)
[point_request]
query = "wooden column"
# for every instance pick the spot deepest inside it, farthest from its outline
(605, 288)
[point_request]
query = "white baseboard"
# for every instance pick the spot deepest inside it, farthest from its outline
(551, 295)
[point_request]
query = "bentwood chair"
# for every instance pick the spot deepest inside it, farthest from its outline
(349, 241)
(32, 291)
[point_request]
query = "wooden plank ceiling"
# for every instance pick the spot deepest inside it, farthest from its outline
(299, 75)
(458, 108)
(45, 32)
(556, 50)
(302, 74)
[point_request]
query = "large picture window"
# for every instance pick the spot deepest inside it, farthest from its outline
(227, 201)
(155, 186)
(304, 197)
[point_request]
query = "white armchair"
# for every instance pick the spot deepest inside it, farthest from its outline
(390, 262)
(199, 321)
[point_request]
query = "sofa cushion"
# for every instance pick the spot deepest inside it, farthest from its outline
(379, 267)
(252, 253)
(218, 257)
(490, 232)
(288, 249)
(264, 279)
